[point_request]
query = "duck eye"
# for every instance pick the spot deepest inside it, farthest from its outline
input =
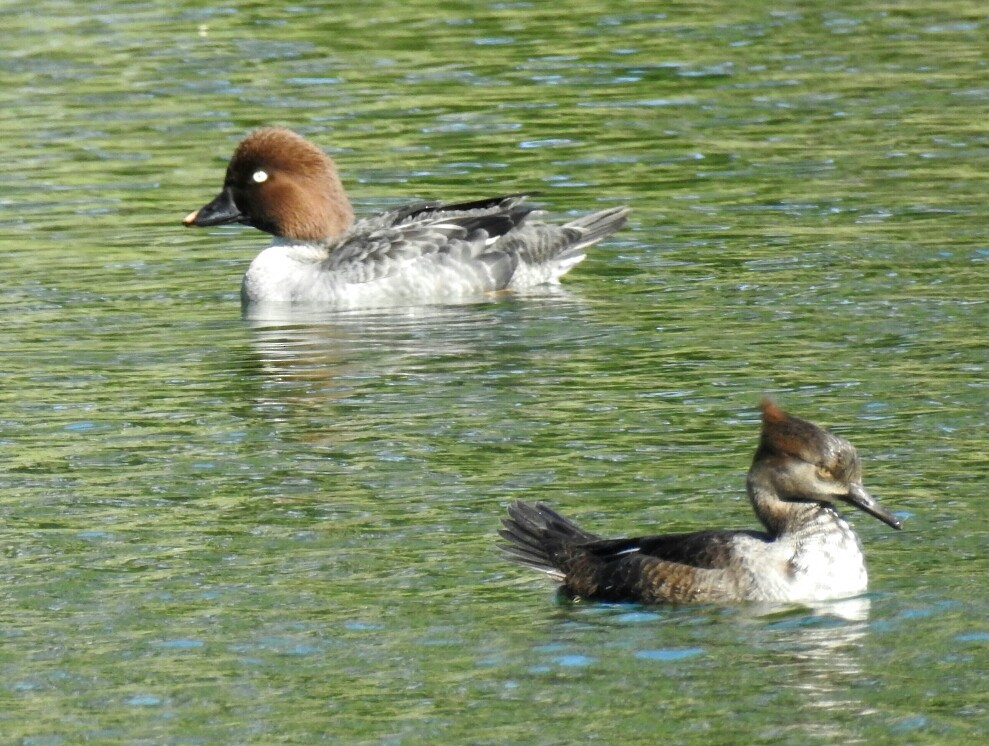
(259, 176)
(824, 472)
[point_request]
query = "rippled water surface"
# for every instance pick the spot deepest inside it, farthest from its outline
(218, 529)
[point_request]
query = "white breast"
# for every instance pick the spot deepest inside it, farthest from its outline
(823, 561)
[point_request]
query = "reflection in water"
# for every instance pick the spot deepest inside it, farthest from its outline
(821, 657)
(321, 351)
(309, 345)
(806, 663)
(846, 609)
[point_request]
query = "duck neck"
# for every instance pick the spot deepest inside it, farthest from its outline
(338, 214)
(779, 513)
(303, 252)
(314, 209)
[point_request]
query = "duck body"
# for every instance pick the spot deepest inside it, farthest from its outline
(439, 252)
(807, 552)
(423, 252)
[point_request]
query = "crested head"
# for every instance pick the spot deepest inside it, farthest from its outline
(798, 463)
(283, 184)
(784, 434)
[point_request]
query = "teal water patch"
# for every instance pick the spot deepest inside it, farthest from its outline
(668, 655)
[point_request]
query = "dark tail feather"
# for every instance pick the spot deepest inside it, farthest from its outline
(538, 537)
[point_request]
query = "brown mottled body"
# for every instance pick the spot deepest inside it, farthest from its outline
(808, 551)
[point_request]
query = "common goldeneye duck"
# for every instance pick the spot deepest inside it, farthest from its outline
(807, 552)
(279, 182)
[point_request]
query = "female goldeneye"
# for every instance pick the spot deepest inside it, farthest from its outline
(280, 183)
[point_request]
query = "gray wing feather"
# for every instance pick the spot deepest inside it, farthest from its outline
(430, 252)
(480, 245)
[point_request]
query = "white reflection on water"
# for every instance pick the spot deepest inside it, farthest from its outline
(305, 342)
(263, 314)
(855, 609)
(309, 342)
(821, 655)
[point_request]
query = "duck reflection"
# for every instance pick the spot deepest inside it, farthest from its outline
(305, 353)
(818, 657)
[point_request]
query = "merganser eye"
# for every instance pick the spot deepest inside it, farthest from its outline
(259, 176)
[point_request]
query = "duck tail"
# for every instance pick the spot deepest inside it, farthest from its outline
(547, 252)
(592, 228)
(539, 537)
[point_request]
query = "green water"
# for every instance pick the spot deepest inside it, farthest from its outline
(225, 530)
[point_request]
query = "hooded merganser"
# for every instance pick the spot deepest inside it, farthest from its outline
(808, 552)
(279, 182)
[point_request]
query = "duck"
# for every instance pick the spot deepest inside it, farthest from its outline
(424, 252)
(806, 553)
